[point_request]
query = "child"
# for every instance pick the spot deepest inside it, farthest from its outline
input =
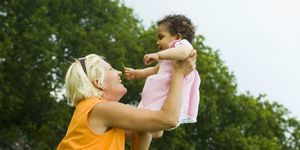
(175, 33)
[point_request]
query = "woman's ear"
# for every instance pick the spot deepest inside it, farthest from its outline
(179, 36)
(97, 84)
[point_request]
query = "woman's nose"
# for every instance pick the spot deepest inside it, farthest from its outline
(119, 72)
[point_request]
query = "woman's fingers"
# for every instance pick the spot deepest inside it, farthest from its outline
(192, 57)
(187, 65)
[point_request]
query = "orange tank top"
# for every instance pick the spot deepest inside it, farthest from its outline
(79, 135)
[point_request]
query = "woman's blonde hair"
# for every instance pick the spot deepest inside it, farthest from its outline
(78, 81)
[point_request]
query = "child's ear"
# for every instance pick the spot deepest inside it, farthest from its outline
(178, 36)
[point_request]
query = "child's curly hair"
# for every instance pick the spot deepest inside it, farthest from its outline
(179, 24)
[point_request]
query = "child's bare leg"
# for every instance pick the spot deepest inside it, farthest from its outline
(141, 141)
(157, 134)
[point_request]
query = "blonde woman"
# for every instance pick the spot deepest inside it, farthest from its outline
(100, 120)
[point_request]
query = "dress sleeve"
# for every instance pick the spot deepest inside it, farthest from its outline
(184, 42)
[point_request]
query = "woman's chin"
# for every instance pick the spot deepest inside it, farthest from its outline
(125, 91)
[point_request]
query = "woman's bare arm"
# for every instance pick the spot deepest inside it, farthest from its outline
(115, 114)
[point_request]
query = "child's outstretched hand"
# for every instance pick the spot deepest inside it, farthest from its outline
(150, 58)
(129, 73)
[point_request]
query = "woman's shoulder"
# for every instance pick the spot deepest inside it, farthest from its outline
(104, 106)
(90, 101)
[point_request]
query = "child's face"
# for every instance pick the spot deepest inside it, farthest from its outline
(164, 37)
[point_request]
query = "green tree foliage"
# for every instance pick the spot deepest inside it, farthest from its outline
(38, 39)
(29, 113)
(229, 120)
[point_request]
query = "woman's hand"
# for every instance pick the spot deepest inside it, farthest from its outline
(187, 65)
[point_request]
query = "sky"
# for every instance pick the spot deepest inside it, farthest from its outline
(259, 40)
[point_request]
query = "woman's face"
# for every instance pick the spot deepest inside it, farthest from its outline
(113, 89)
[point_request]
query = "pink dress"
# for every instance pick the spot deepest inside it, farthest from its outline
(156, 88)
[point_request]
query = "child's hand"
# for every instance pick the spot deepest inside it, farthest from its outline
(150, 58)
(129, 73)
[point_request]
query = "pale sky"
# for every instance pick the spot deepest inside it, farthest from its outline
(259, 40)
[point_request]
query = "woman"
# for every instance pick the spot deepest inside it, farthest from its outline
(99, 120)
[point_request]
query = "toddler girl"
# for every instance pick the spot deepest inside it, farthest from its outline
(175, 34)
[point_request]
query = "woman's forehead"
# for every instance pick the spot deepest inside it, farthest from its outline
(104, 64)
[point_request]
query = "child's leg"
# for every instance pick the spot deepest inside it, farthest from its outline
(141, 141)
(157, 134)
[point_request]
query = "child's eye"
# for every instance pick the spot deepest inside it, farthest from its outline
(160, 36)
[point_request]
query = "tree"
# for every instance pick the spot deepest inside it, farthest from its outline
(228, 119)
(28, 76)
(38, 39)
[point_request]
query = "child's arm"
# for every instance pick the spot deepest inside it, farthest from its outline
(176, 53)
(134, 74)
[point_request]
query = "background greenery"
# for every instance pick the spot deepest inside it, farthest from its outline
(38, 39)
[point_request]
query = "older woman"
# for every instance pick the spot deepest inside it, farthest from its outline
(100, 120)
